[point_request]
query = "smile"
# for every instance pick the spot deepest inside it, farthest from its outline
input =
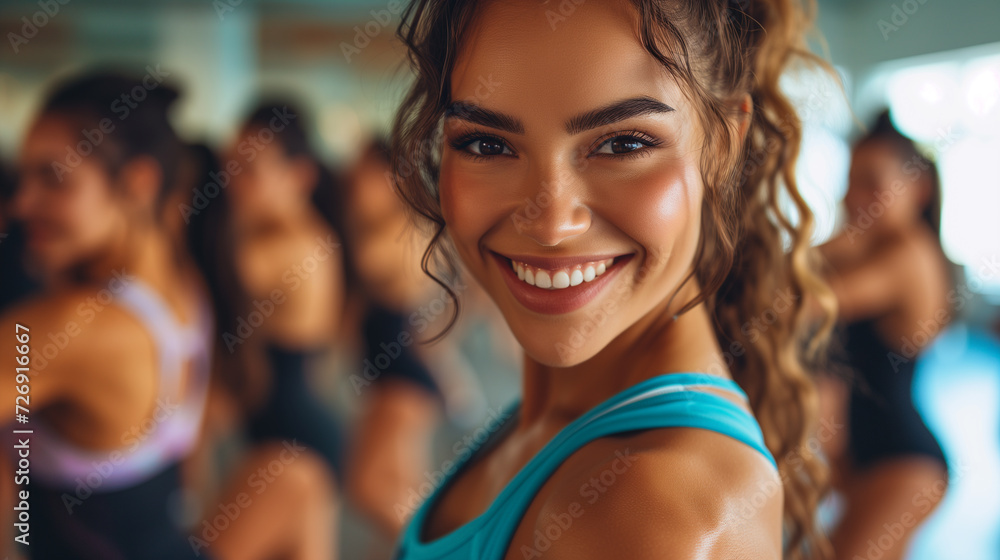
(558, 285)
(562, 278)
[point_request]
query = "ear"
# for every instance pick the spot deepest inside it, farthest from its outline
(141, 180)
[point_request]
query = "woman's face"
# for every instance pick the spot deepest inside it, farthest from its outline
(574, 148)
(269, 182)
(370, 193)
(883, 190)
(65, 199)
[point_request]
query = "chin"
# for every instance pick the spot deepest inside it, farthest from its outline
(566, 348)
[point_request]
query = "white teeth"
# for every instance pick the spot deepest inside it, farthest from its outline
(562, 278)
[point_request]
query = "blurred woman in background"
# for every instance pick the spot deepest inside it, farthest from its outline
(892, 280)
(402, 397)
(120, 350)
(283, 219)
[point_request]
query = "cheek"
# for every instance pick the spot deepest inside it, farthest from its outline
(450, 196)
(466, 205)
(661, 210)
(93, 214)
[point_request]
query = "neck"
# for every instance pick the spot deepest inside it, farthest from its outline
(144, 251)
(654, 345)
(888, 234)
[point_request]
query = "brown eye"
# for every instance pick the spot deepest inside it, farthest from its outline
(488, 147)
(623, 145)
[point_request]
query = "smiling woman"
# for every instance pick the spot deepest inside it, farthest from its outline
(615, 191)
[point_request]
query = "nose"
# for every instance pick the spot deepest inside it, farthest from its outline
(556, 208)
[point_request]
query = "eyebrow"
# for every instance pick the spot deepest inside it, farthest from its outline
(609, 114)
(485, 117)
(617, 111)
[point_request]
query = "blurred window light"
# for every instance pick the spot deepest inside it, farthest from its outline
(924, 99)
(821, 104)
(951, 106)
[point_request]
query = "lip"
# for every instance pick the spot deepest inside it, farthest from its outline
(565, 300)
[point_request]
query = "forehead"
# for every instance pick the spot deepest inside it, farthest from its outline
(562, 56)
(48, 133)
(877, 152)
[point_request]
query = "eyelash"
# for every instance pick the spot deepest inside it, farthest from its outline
(462, 142)
(645, 139)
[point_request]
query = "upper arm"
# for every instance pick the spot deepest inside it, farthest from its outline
(680, 503)
(872, 287)
(74, 343)
(36, 336)
(837, 247)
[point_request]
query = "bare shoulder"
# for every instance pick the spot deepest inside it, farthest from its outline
(289, 258)
(837, 248)
(72, 330)
(659, 494)
(921, 257)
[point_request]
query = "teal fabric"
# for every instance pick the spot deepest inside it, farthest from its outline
(665, 401)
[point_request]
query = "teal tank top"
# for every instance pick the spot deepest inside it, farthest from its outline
(665, 401)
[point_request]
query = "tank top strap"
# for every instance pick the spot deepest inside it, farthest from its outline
(666, 401)
(175, 423)
(174, 342)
